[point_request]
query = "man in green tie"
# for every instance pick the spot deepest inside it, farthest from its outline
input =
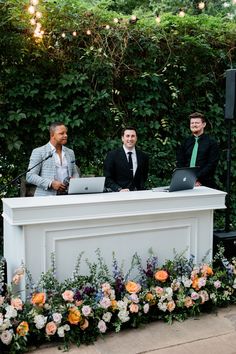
(199, 150)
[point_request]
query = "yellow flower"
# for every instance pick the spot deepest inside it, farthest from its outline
(22, 329)
(149, 297)
(113, 304)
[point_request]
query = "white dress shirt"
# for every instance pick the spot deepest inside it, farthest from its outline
(61, 164)
(133, 156)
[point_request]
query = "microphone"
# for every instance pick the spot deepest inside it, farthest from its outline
(47, 157)
(66, 181)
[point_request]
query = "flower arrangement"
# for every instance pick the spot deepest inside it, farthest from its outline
(82, 308)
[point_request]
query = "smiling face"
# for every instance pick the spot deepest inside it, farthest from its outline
(59, 136)
(129, 138)
(197, 126)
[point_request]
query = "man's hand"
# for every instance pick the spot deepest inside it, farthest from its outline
(58, 186)
(197, 184)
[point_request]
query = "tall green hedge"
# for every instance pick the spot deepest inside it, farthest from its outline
(135, 72)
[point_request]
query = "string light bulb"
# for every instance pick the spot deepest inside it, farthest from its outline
(181, 13)
(88, 32)
(31, 9)
(63, 35)
(201, 5)
(38, 14)
(107, 27)
(158, 19)
(74, 34)
(133, 19)
(34, 2)
(32, 21)
(116, 20)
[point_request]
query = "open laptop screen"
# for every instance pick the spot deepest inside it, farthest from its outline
(182, 179)
(86, 185)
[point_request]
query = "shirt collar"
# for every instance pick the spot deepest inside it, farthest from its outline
(126, 150)
(53, 147)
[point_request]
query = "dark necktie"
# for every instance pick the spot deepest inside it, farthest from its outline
(194, 153)
(130, 161)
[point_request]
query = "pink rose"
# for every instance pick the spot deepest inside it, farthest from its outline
(68, 295)
(51, 328)
(17, 303)
(133, 308)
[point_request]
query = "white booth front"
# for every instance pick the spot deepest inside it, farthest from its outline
(125, 223)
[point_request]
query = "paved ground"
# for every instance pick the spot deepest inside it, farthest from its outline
(207, 334)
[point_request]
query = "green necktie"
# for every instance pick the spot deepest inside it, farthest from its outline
(194, 153)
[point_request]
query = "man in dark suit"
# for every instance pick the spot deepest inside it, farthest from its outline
(206, 152)
(126, 168)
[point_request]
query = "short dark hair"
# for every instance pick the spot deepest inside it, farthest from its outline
(197, 115)
(128, 128)
(54, 125)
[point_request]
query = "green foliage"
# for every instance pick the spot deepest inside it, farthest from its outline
(146, 74)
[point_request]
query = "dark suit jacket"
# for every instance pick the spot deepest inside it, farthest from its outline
(207, 158)
(118, 174)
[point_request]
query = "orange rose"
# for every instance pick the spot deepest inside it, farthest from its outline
(188, 302)
(74, 316)
(132, 287)
(51, 328)
(22, 329)
(161, 275)
(171, 306)
(113, 304)
(84, 324)
(195, 284)
(38, 299)
(206, 270)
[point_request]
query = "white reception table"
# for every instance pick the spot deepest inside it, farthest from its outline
(121, 222)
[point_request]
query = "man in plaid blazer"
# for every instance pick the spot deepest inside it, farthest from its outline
(57, 166)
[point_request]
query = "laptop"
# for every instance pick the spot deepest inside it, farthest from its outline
(86, 185)
(182, 179)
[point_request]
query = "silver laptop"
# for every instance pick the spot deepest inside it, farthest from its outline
(182, 179)
(86, 185)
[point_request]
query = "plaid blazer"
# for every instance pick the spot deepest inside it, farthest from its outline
(43, 174)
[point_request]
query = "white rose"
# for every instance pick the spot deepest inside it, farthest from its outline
(123, 316)
(6, 337)
(107, 316)
(57, 317)
(86, 310)
(61, 332)
(146, 308)
(40, 321)
(11, 312)
(102, 326)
